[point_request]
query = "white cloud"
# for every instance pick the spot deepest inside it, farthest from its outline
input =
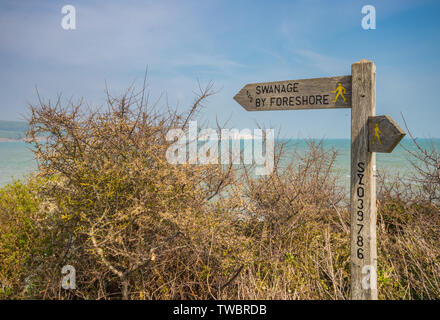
(324, 63)
(106, 33)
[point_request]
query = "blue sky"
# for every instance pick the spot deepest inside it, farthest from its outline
(230, 43)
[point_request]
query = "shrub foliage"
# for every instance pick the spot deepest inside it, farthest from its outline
(106, 201)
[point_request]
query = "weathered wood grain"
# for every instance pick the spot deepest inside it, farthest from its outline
(363, 184)
(384, 134)
(295, 94)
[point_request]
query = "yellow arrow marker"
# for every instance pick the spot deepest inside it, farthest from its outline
(383, 134)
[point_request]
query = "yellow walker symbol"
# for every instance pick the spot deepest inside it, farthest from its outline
(340, 91)
(377, 133)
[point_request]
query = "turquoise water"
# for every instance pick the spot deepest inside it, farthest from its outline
(397, 162)
(17, 160)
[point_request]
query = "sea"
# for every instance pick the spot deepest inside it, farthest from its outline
(17, 159)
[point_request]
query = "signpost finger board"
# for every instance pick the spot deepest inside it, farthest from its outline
(319, 93)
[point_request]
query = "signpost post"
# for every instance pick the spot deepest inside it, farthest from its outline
(363, 185)
(369, 134)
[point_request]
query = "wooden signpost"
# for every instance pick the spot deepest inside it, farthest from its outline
(369, 134)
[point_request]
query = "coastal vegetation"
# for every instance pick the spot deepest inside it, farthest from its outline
(105, 200)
